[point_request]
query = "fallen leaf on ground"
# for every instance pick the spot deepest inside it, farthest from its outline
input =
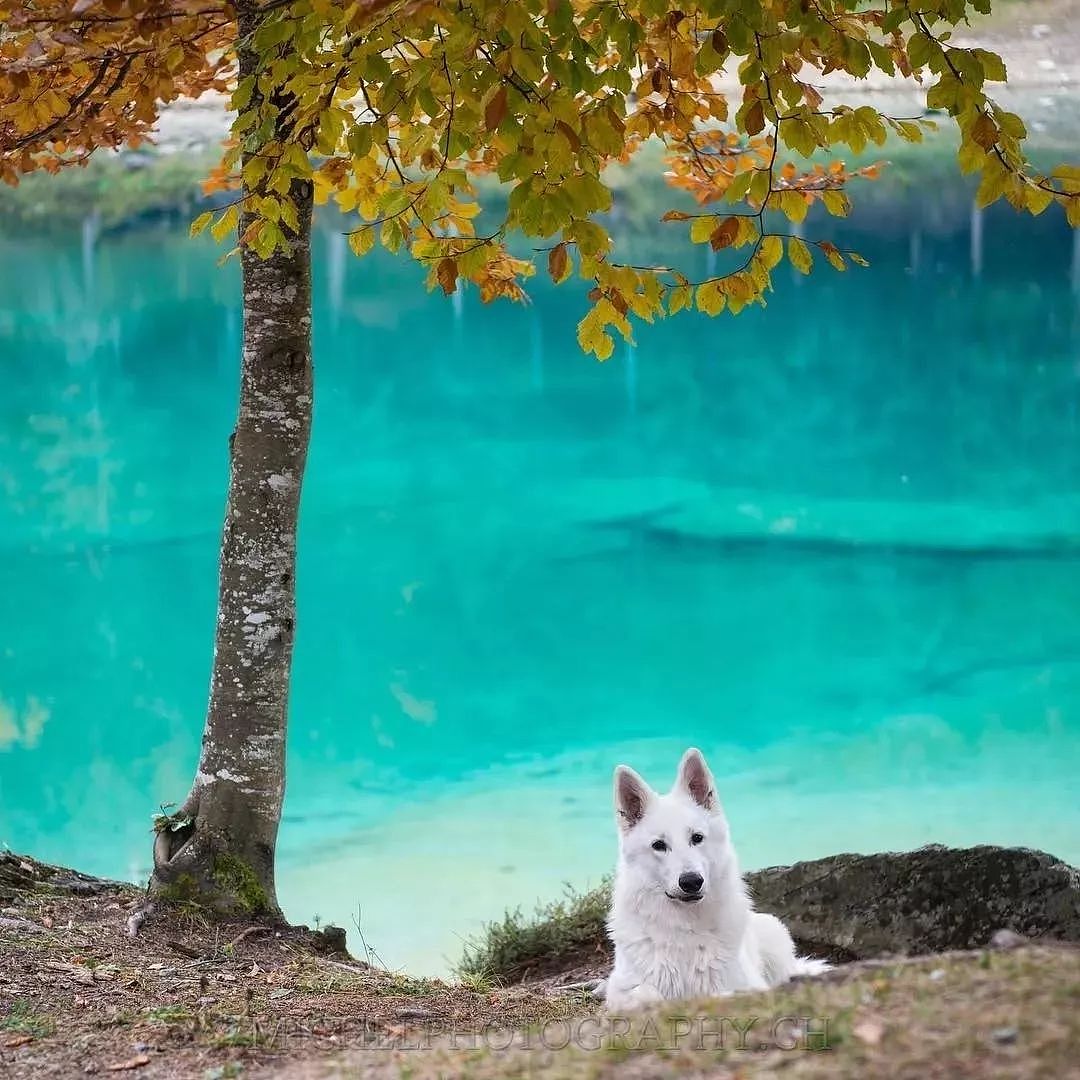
(19, 1040)
(868, 1030)
(131, 1063)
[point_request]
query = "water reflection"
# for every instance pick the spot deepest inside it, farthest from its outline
(833, 542)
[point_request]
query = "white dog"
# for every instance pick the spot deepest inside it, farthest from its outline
(681, 919)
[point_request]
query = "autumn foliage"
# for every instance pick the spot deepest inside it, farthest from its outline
(395, 111)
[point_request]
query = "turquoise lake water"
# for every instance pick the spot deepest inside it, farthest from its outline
(834, 543)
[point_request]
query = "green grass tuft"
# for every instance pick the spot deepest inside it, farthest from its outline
(553, 937)
(22, 1020)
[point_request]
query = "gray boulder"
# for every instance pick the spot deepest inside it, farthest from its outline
(856, 907)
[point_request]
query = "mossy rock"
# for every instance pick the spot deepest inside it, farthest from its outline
(844, 908)
(855, 907)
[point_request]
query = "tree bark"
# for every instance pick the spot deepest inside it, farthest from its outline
(218, 848)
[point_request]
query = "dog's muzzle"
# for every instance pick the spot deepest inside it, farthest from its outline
(690, 885)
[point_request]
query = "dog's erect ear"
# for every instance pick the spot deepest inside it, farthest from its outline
(632, 796)
(695, 779)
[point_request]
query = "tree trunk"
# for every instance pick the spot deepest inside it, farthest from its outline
(218, 848)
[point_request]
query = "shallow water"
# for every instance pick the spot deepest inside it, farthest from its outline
(835, 543)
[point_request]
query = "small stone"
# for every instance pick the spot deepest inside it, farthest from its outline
(937, 974)
(414, 1014)
(1007, 939)
(1005, 1036)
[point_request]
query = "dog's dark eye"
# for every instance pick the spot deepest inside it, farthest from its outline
(659, 845)
(696, 838)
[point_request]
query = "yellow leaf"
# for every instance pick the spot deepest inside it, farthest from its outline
(1037, 199)
(681, 297)
(362, 242)
(836, 202)
(201, 222)
(702, 228)
(832, 254)
(992, 187)
(711, 298)
(793, 205)
(225, 224)
(799, 255)
(772, 251)
(591, 336)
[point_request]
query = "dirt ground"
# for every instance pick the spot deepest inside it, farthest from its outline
(191, 1000)
(186, 998)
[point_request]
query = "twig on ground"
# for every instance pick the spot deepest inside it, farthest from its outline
(246, 934)
(355, 969)
(138, 917)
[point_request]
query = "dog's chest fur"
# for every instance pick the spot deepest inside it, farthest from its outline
(699, 965)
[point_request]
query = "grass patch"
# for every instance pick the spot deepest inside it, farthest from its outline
(170, 1014)
(554, 937)
(22, 1020)
(405, 985)
(945, 1015)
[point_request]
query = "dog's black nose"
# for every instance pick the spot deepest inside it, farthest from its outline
(691, 882)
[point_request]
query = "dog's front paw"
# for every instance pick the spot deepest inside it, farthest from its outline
(630, 999)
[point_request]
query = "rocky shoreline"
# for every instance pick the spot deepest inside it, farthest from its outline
(984, 938)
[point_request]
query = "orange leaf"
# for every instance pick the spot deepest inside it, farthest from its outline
(755, 119)
(725, 234)
(570, 133)
(131, 1063)
(984, 131)
(496, 109)
(558, 263)
(446, 273)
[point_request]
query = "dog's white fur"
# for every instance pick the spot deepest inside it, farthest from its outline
(668, 947)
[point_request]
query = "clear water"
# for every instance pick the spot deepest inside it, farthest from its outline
(835, 543)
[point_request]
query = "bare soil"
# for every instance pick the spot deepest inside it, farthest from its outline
(190, 998)
(187, 999)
